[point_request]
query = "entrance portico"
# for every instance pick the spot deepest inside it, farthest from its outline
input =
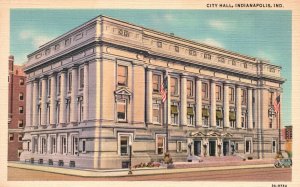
(210, 143)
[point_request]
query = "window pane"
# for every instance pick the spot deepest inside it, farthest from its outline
(122, 75)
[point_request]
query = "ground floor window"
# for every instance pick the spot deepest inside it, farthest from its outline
(52, 144)
(179, 146)
(43, 143)
(83, 146)
(125, 140)
(248, 146)
(160, 144)
(35, 144)
(19, 153)
(274, 147)
(74, 144)
(63, 144)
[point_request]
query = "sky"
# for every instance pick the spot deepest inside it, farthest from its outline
(259, 33)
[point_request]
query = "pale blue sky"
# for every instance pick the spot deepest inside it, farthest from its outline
(264, 34)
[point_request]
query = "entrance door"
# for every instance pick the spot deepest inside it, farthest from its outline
(212, 148)
(197, 148)
(225, 148)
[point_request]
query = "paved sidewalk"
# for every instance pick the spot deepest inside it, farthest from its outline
(136, 172)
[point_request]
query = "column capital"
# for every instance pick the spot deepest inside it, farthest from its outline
(53, 74)
(183, 75)
(64, 70)
(86, 62)
(44, 77)
(36, 80)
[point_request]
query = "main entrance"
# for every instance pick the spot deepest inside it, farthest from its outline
(212, 148)
(226, 148)
(197, 148)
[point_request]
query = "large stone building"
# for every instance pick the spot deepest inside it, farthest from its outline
(96, 89)
(16, 109)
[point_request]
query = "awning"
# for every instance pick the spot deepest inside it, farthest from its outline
(174, 109)
(205, 112)
(190, 111)
(231, 116)
(219, 114)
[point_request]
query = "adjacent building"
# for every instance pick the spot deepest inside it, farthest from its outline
(95, 90)
(16, 109)
(288, 137)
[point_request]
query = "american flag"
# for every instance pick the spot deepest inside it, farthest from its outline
(276, 104)
(164, 89)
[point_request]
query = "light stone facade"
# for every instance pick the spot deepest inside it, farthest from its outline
(96, 88)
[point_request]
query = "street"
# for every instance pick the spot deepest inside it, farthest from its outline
(259, 174)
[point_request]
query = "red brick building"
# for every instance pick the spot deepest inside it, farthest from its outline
(16, 109)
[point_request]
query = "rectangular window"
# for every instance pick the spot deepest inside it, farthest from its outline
(20, 124)
(52, 144)
(49, 88)
(74, 144)
(179, 146)
(59, 84)
(219, 117)
(174, 114)
(20, 137)
(274, 147)
(21, 81)
(35, 144)
(70, 82)
(80, 109)
(190, 88)
(83, 146)
(68, 110)
(67, 41)
(190, 115)
(40, 114)
(248, 146)
(43, 144)
(221, 59)
(160, 144)
(156, 113)
(244, 97)
(40, 89)
(233, 62)
(271, 96)
(122, 110)
(174, 86)
(81, 79)
(122, 75)
(21, 96)
(176, 49)
(11, 137)
(218, 93)
(159, 44)
(124, 145)
(156, 83)
(48, 113)
(63, 145)
(231, 95)
(204, 91)
(232, 118)
(205, 116)
(21, 110)
(192, 52)
(245, 65)
(58, 112)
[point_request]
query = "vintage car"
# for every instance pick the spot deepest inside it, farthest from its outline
(283, 160)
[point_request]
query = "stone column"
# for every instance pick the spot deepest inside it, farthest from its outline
(44, 102)
(198, 102)
(226, 106)
(183, 101)
(35, 103)
(53, 99)
(73, 103)
(63, 87)
(213, 103)
(29, 93)
(254, 109)
(259, 123)
(86, 91)
(149, 101)
(238, 107)
(250, 111)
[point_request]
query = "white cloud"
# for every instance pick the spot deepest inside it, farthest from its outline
(168, 17)
(263, 55)
(213, 42)
(35, 38)
(219, 25)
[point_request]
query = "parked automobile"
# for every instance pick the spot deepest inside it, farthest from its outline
(283, 161)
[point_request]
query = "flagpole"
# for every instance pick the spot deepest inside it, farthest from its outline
(279, 129)
(167, 114)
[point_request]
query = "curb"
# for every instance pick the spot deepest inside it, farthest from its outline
(124, 173)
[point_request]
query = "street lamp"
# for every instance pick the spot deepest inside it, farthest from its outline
(130, 152)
